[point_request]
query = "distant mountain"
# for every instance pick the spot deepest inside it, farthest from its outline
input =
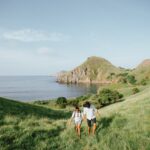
(93, 70)
(145, 63)
(142, 71)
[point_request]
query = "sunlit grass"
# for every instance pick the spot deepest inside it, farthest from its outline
(121, 126)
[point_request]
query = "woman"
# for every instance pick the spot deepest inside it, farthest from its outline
(77, 116)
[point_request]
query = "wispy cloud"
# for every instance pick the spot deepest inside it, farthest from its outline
(44, 51)
(30, 35)
(49, 52)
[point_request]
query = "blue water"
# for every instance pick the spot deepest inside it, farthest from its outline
(29, 88)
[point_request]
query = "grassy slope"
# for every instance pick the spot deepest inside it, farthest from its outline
(142, 71)
(124, 125)
(98, 67)
(26, 126)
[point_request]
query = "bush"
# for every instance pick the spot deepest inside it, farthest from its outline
(78, 101)
(44, 102)
(107, 96)
(73, 102)
(122, 80)
(135, 90)
(125, 78)
(62, 102)
(143, 82)
(131, 79)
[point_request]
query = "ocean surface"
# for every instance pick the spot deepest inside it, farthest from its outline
(30, 88)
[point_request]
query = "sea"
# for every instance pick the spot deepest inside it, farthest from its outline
(32, 88)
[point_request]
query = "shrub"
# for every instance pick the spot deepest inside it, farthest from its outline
(111, 76)
(135, 90)
(61, 101)
(131, 79)
(125, 78)
(44, 102)
(122, 80)
(143, 82)
(107, 96)
(80, 99)
(73, 102)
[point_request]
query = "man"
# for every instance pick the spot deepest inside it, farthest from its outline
(89, 112)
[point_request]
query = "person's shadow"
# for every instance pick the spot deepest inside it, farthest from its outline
(103, 124)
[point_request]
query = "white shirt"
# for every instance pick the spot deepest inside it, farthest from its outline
(90, 112)
(77, 116)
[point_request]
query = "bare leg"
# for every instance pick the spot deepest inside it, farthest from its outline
(79, 127)
(76, 129)
(89, 130)
(94, 128)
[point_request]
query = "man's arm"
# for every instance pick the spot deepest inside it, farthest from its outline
(96, 111)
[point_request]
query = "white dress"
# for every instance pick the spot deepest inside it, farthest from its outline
(77, 116)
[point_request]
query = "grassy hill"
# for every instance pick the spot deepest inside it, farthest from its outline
(27, 126)
(124, 125)
(93, 70)
(142, 71)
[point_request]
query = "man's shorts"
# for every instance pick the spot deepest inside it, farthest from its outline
(90, 122)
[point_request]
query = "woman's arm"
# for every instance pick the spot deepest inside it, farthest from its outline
(73, 115)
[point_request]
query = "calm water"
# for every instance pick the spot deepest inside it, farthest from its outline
(27, 88)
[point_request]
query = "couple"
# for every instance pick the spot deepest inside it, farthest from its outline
(89, 114)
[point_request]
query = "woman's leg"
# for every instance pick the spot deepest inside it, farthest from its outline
(79, 129)
(76, 128)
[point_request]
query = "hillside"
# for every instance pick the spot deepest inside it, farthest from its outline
(123, 125)
(93, 70)
(142, 71)
(25, 126)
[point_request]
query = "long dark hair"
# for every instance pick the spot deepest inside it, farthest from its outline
(77, 108)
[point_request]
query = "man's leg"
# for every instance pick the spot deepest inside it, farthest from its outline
(94, 125)
(89, 126)
(94, 128)
(89, 130)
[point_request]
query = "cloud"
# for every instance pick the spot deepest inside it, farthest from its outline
(49, 53)
(30, 35)
(44, 51)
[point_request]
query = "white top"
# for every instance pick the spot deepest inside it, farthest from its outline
(77, 116)
(90, 112)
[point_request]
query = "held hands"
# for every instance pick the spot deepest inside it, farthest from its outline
(84, 118)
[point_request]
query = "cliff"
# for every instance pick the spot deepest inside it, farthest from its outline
(93, 70)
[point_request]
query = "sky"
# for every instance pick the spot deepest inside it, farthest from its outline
(43, 37)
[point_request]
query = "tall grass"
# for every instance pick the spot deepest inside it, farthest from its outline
(121, 126)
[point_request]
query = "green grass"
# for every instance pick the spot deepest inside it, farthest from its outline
(124, 89)
(26, 126)
(121, 126)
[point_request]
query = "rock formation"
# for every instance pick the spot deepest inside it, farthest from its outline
(93, 70)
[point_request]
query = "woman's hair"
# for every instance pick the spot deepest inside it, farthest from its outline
(87, 104)
(76, 107)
